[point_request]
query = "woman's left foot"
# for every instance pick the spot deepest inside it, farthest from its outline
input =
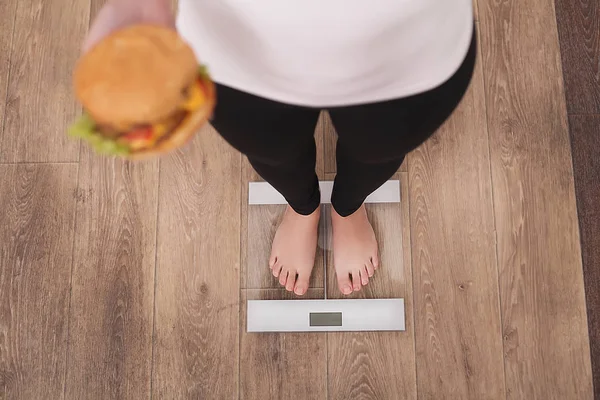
(355, 254)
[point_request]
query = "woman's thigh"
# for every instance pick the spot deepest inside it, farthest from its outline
(388, 130)
(262, 129)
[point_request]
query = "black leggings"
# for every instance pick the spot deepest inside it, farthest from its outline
(373, 139)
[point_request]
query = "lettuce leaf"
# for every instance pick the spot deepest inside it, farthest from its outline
(85, 128)
(203, 72)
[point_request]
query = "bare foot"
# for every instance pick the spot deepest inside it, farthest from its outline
(355, 254)
(294, 247)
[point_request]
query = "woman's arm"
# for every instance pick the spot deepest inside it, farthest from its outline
(117, 14)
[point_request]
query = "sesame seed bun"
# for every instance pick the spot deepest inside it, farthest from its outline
(134, 76)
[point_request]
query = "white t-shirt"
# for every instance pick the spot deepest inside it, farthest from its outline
(329, 52)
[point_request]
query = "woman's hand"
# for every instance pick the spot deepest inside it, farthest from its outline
(117, 14)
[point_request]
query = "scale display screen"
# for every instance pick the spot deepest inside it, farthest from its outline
(326, 319)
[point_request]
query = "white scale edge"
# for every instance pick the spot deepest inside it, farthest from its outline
(294, 315)
(263, 193)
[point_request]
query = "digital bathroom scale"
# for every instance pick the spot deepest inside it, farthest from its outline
(324, 315)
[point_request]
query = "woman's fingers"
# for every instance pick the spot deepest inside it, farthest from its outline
(119, 14)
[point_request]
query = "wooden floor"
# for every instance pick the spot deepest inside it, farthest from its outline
(129, 280)
(579, 29)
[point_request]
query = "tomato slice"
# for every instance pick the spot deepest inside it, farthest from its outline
(144, 133)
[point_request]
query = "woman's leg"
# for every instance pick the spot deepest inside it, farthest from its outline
(279, 142)
(373, 140)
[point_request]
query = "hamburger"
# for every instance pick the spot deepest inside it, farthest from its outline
(143, 93)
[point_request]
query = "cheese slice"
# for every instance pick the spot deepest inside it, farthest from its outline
(195, 100)
(196, 97)
(160, 129)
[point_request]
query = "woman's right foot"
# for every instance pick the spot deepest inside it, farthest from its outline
(294, 248)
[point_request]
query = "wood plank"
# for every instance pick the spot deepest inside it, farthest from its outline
(325, 125)
(281, 365)
(457, 318)
(585, 144)
(112, 297)
(40, 103)
(406, 240)
(377, 365)
(245, 178)
(8, 12)
(196, 344)
(36, 243)
(544, 328)
(250, 175)
(579, 33)
(262, 224)
(320, 143)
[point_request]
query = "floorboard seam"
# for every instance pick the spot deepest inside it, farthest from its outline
(487, 127)
(40, 162)
(242, 258)
(71, 286)
(406, 198)
(156, 232)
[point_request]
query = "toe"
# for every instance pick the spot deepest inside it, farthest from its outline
(272, 261)
(364, 276)
(283, 276)
(276, 269)
(344, 283)
(370, 269)
(375, 261)
(301, 284)
(356, 280)
(291, 281)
